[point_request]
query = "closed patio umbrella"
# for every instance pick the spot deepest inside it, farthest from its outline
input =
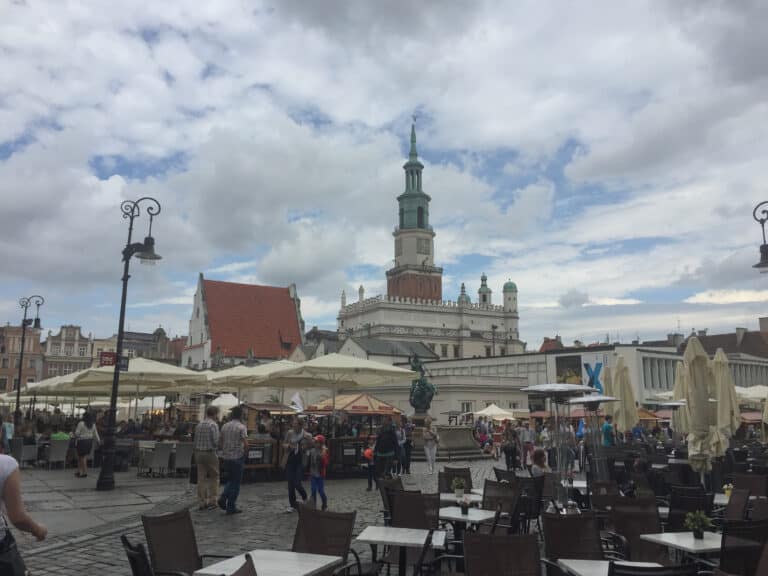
(608, 390)
(625, 410)
(728, 415)
(681, 420)
(699, 382)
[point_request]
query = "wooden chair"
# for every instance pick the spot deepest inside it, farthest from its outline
(464, 473)
(578, 537)
(737, 505)
(172, 543)
(682, 501)
(386, 486)
(139, 563)
(759, 509)
(757, 484)
(494, 554)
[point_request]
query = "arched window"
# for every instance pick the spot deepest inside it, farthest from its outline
(402, 217)
(420, 217)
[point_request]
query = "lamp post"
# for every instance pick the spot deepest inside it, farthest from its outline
(144, 251)
(493, 339)
(760, 214)
(25, 303)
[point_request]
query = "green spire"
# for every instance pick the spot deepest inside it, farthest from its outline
(413, 155)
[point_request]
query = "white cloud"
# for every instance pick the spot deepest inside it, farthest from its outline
(728, 297)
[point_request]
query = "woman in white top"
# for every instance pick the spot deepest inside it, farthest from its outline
(431, 440)
(85, 435)
(11, 562)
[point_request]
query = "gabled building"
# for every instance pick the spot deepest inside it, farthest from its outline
(10, 356)
(386, 351)
(235, 323)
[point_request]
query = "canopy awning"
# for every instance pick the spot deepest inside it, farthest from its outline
(356, 404)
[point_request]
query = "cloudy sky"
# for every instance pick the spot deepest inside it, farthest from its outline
(607, 160)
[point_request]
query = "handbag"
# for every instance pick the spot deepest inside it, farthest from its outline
(11, 562)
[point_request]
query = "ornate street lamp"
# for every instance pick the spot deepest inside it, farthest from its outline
(144, 251)
(760, 214)
(25, 303)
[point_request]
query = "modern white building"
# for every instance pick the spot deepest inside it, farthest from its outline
(414, 308)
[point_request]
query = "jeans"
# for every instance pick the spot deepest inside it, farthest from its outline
(384, 464)
(317, 485)
(430, 453)
(207, 476)
(371, 475)
(294, 473)
(510, 454)
(231, 491)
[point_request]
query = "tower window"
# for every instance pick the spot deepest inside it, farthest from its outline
(420, 217)
(485, 299)
(402, 217)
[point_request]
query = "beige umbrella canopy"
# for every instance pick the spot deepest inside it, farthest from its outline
(247, 377)
(699, 381)
(608, 390)
(625, 410)
(339, 371)
(494, 412)
(142, 373)
(681, 420)
(727, 405)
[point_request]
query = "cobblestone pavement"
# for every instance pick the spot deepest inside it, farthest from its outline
(264, 523)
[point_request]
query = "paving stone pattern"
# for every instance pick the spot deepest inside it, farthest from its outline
(264, 523)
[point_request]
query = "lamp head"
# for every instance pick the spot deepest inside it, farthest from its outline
(763, 264)
(147, 255)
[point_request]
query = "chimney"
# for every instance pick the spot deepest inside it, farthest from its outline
(675, 339)
(740, 333)
(701, 333)
(764, 324)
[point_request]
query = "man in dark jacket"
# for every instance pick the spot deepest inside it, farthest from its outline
(386, 445)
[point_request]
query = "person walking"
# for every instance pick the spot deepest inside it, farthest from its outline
(370, 463)
(386, 446)
(318, 465)
(527, 437)
(510, 445)
(11, 562)
(206, 442)
(408, 446)
(234, 446)
(609, 434)
(431, 440)
(400, 451)
(85, 436)
(296, 441)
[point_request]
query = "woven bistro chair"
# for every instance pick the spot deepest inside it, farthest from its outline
(494, 554)
(737, 506)
(139, 563)
(679, 506)
(742, 546)
(633, 517)
(757, 484)
(329, 533)
(505, 475)
(578, 537)
(759, 509)
(386, 487)
(172, 543)
(451, 473)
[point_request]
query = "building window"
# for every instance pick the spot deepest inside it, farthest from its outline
(68, 349)
(56, 349)
(205, 364)
(466, 406)
(5, 363)
(444, 350)
(3, 383)
(455, 351)
(487, 351)
(17, 362)
(431, 346)
(512, 405)
(30, 379)
(484, 298)
(15, 383)
(53, 370)
(398, 247)
(197, 312)
(31, 363)
(81, 350)
(66, 369)
(420, 217)
(503, 351)
(422, 246)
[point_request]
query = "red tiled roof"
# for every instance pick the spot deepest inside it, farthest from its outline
(245, 317)
(551, 344)
(754, 343)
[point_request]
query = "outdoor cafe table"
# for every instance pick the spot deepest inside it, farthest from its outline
(596, 567)
(686, 542)
(450, 498)
(473, 515)
(403, 538)
(275, 563)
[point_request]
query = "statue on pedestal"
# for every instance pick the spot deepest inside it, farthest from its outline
(422, 391)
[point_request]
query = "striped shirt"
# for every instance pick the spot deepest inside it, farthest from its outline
(207, 436)
(232, 434)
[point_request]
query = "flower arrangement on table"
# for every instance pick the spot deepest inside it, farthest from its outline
(458, 485)
(697, 522)
(727, 489)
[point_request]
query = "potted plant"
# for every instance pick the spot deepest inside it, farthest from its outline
(697, 522)
(458, 487)
(464, 504)
(727, 489)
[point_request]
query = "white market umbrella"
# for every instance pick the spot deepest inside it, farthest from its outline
(245, 377)
(494, 412)
(727, 407)
(699, 381)
(337, 371)
(225, 401)
(756, 393)
(143, 374)
(625, 410)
